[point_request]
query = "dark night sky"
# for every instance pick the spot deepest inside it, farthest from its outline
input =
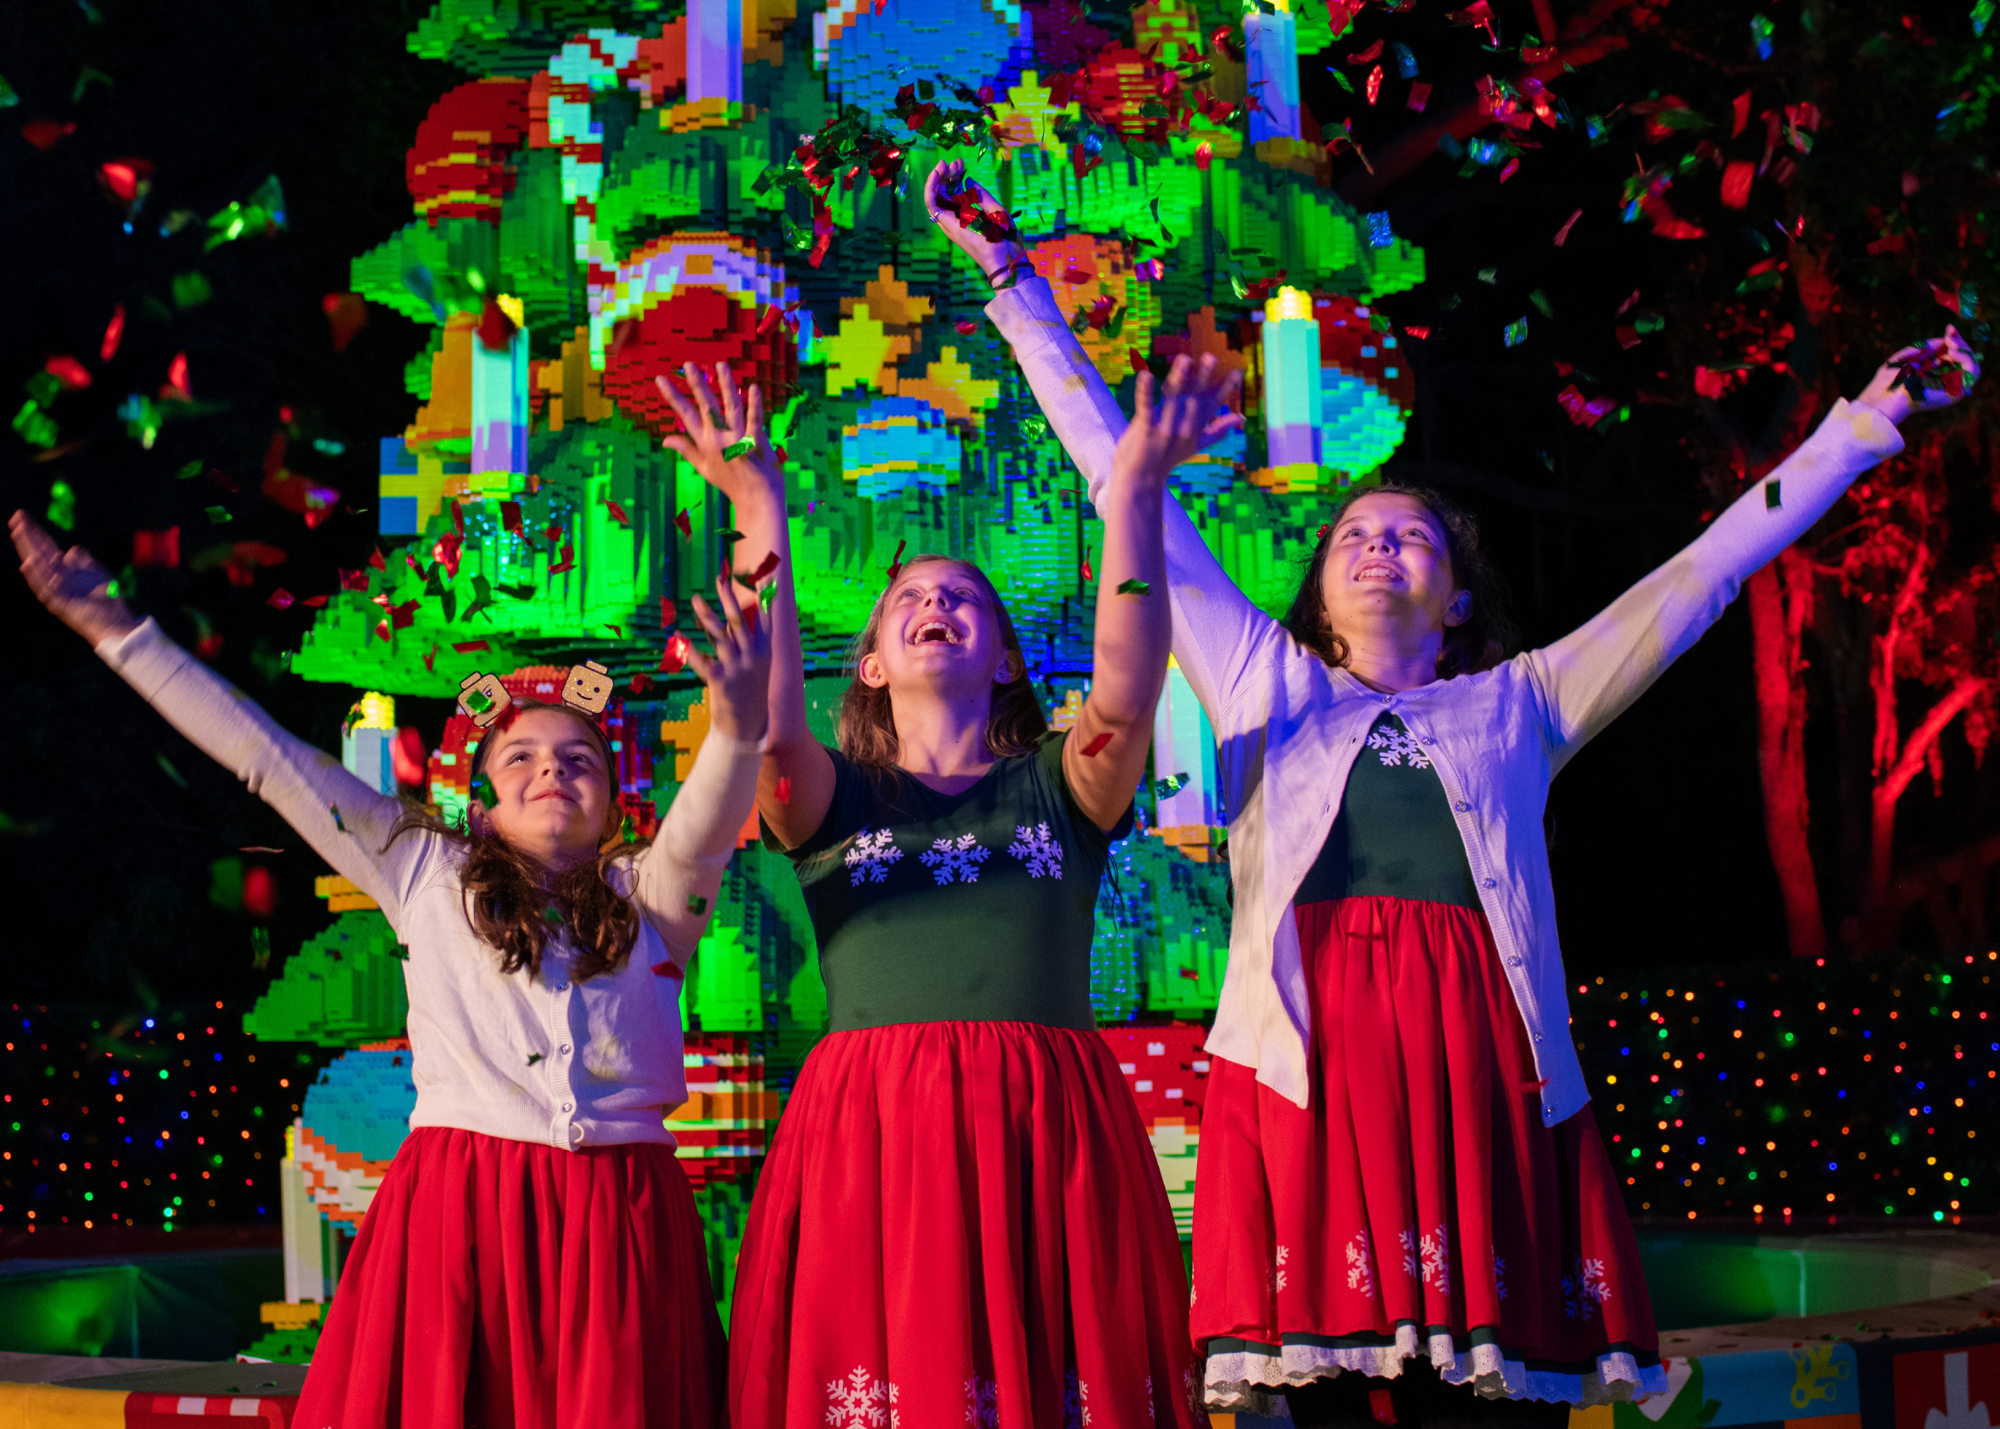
(1658, 846)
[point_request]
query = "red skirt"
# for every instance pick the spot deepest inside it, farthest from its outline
(1417, 1204)
(961, 1223)
(502, 1283)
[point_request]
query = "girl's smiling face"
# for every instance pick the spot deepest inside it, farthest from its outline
(938, 627)
(550, 788)
(1388, 559)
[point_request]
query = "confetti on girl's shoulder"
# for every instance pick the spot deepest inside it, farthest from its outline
(737, 449)
(667, 970)
(534, 1057)
(1133, 587)
(784, 790)
(697, 904)
(1096, 746)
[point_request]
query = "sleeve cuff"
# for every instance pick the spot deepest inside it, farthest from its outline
(1863, 430)
(1022, 310)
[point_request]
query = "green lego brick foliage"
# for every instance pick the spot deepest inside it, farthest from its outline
(342, 987)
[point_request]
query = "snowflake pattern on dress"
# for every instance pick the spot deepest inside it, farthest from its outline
(957, 858)
(1278, 1275)
(861, 1401)
(982, 1403)
(870, 857)
(1395, 745)
(1361, 1266)
(1039, 849)
(1076, 1402)
(1429, 1258)
(1585, 1290)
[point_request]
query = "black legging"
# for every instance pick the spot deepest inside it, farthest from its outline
(1419, 1400)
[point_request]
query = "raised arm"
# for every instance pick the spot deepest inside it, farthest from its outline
(1105, 754)
(1593, 674)
(678, 874)
(1215, 626)
(795, 782)
(343, 819)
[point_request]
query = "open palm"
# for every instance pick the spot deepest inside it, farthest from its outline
(1190, 416)
(69, 582)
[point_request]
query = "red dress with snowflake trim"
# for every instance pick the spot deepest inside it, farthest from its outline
(961, 1220)
(1417, 1204)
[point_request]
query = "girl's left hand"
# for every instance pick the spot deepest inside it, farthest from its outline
(1893, 396)
(724, 438)
(738, 674)
(1190, 417)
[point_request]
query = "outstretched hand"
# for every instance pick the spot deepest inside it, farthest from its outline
(993, 256)
(738, 674)
(1191, 415)
(1922, 378)
(70, 583)
(724, 439)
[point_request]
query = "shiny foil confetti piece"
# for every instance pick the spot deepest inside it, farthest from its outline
(1096, 746)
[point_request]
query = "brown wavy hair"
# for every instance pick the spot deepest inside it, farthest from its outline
(1484, 639)
(868, 723)
(515, 903)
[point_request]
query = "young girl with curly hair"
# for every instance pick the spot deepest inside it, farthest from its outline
(533, 1257)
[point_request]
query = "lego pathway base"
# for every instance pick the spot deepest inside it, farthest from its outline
(72, 1392)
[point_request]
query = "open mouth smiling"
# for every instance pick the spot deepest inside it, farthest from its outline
(1378, 571)
(935, 632)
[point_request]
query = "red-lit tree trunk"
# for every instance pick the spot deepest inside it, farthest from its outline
(1781, 597)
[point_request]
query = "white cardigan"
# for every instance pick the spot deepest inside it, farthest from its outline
(1288, 727)
(541, 1059)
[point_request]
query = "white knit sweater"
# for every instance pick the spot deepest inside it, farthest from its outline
(1288, 728)
(540, 1059)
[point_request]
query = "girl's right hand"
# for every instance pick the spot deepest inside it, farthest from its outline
(994, 258)
(711, 427)
(70, 583)
(738, 674)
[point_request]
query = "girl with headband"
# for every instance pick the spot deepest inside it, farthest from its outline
(534, 1257)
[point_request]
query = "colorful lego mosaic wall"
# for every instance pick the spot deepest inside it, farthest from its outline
(609, 195)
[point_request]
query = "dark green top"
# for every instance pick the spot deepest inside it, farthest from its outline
(1395, 836)
(976, 906)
